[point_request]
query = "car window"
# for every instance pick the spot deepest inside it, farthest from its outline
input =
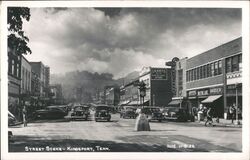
(102, 108)
(155, 109)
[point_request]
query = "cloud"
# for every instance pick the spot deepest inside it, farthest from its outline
(122, 40)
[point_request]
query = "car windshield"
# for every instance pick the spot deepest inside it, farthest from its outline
(80, 108)
(155, 109)
(171, 109)
(146, 110)
(102, 108)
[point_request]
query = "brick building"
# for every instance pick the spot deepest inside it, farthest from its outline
(158, 85)
(212, 77)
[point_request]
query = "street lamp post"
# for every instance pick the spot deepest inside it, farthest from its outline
(237, 104)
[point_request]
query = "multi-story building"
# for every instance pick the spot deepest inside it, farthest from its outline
(158, 85)
(113, 96)
(56, 90)
(14, 81)
(25, 77)
(35, 84)
(39, 69)
(129, 94)
(213, 76)
(47, 81)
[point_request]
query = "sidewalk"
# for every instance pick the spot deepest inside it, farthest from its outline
(223, 123)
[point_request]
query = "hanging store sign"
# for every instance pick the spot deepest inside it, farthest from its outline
(158, 73)
(192, 93)
(203, 92)
(217, 90)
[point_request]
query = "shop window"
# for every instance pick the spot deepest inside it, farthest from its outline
(215, 68)
(187, 76)
(229, 65)
(212, 69)
(220, 67)
(235, 63)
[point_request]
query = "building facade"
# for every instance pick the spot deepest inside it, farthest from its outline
(158, 85)
(14, 82)
(57, 95)
(39, 69)
(212, 77)
(113, 96)
(25, 77)
(129, 94)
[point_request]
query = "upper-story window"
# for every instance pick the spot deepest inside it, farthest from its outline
(215, 68)
(220, 67)
(234, 63)
(13, 67)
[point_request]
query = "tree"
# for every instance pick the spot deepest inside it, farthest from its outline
(16, 38)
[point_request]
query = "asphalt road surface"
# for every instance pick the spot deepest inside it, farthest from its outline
(119, 136)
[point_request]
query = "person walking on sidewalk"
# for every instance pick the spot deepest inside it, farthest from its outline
(24, 116)
(232, 112)
(209, 117)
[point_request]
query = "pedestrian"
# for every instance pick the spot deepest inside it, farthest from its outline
(232, 112)
(209, 117)
(200, 112)
(142, 123)
(24, 111)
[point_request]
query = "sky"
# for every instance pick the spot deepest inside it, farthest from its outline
(122, 40)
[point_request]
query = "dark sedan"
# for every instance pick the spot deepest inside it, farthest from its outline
(102, 113)
(128, 112)
(79, 112)
(175, 113)
(153, 113)
(50, 112)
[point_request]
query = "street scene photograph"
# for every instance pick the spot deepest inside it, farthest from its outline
(125, 79)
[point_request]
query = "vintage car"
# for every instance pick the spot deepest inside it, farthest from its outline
(152, 113)
(175, 113)
(79, 112)
(50, 112)
(102, 113)
(128, 112)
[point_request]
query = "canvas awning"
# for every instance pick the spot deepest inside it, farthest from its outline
(211, 99)
(175, 102)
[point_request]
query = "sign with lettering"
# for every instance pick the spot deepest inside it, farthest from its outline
(217, 90)
(191, 93)
(158, 73)
(203, 92)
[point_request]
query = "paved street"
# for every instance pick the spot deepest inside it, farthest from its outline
(119, 136)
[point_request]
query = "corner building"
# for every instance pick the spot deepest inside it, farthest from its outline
(213, 77)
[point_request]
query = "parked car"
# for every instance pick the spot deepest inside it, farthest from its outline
(50, 112)
(79, 112)
(152, 113)
(128, 112)
(102, 112)
(175, 113)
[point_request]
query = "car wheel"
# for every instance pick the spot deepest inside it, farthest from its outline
(159, 120)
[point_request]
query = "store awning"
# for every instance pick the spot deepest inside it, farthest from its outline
(211, 99)
(175, 102)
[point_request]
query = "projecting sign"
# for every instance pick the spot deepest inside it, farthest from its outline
(158, 74)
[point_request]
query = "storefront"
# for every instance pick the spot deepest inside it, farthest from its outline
(209, 97)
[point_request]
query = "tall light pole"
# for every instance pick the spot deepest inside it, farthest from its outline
(237, 103)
